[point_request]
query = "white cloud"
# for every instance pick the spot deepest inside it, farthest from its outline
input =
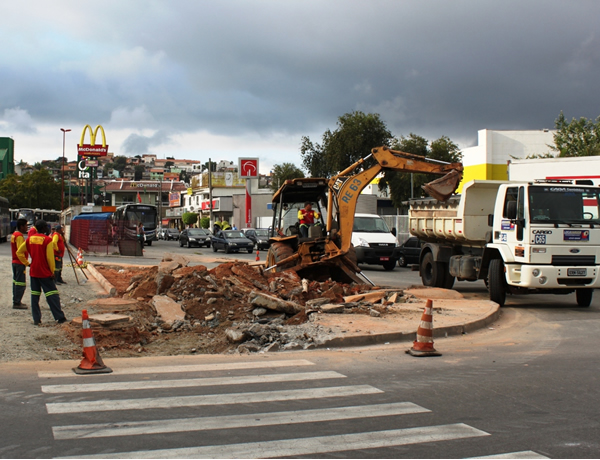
(19, 120)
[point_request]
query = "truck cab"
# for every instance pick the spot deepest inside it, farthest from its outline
(520, 237)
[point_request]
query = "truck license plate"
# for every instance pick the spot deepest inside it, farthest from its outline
(576, 271)
(384, 258)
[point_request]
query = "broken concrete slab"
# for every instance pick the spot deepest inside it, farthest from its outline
(332, 308)
(372, 296)
(106, 319)
(167, 309)
(260, 299)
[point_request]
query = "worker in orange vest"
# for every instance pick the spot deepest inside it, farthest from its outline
(58, 240)
(307, 218)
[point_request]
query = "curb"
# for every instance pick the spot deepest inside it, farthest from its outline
(109, 288)
(444, 331)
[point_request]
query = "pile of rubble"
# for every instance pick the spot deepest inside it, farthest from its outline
(238, 306)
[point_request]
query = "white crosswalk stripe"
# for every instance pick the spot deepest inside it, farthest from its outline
(206, 400)
(183, 383)
(234, 421)
(526, 454)
(318, 392)
(189, 368)
(306, 446)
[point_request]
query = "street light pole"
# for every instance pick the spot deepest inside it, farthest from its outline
(62, 195)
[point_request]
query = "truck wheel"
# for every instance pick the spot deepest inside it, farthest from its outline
(430, 271)
(497, 282)
(279, 251)
(584, 297)
(389, 265)
(402, 261)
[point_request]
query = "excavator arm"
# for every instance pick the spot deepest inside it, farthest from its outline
(345, 189)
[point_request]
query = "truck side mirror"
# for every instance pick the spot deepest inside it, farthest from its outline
(490, 220)
(511, 210)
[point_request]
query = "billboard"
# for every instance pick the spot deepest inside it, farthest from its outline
(91, 149)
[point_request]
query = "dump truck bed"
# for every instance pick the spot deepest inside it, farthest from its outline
(463, 219)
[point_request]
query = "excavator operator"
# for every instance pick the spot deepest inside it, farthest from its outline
(307, 218)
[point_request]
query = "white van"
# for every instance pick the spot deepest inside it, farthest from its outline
(373, 241)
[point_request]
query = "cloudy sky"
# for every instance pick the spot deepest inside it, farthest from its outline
(200, 78)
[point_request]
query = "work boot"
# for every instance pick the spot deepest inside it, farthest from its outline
(19, 306)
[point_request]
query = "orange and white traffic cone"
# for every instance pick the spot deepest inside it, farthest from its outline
(79, 258)
(92, 362)
(257, 255)
(423, 346)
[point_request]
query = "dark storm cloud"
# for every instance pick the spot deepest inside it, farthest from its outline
(263, 67)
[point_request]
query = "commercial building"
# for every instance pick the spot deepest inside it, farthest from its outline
(494, 149)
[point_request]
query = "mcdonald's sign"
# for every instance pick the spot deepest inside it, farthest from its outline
(91, 149)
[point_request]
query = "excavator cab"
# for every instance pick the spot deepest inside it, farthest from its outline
(327, 252)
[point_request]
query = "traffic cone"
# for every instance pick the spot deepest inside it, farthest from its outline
(423, 346)
(79, 259)
(92, 362)
(257, 255)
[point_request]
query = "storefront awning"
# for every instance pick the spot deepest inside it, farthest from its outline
(166, 221)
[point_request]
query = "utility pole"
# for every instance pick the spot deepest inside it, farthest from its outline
(210, 200)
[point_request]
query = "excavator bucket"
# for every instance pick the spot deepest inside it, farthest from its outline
(441, 189)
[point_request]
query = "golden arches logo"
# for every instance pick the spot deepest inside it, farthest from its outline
(91, 149)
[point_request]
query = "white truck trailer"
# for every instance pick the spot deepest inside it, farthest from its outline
(519, 237)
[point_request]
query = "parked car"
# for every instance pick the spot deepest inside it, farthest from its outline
(194, 237)
(232, 241)
(410, 251)
(170, 234)
(259, 236)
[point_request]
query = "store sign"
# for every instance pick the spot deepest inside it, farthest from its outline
(248, 168)
(82, 169)
(174, 199)
(216, 205)
(91, 149)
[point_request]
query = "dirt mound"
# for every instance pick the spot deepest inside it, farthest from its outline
(234, 305)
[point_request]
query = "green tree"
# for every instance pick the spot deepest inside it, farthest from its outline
(442, 149)
(189, 218)
(283, 172)
(119, 163)
(205, 222)
(169, 164)
(138, 172)
(356, 134)
(577, 138)
(35, 190)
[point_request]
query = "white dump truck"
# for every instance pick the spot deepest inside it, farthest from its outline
(519, 237)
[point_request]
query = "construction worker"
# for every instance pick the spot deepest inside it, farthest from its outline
(58, 240)
(225, 225)
(18, 268)
(307, 218)
(41, 272)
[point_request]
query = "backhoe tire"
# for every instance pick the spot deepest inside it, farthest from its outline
(584, 297)
(430, 271)
(277, 252)
(497, 282)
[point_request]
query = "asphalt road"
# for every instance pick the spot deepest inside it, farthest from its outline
(528, 384)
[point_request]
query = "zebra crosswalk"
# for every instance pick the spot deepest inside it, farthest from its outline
(220, 405)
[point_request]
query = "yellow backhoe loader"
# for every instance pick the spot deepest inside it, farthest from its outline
(327, 252)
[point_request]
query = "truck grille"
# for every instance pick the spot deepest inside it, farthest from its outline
(573, 260)
(382, 245)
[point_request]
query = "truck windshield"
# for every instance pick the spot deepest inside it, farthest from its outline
(556, 204)
(370, 225)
